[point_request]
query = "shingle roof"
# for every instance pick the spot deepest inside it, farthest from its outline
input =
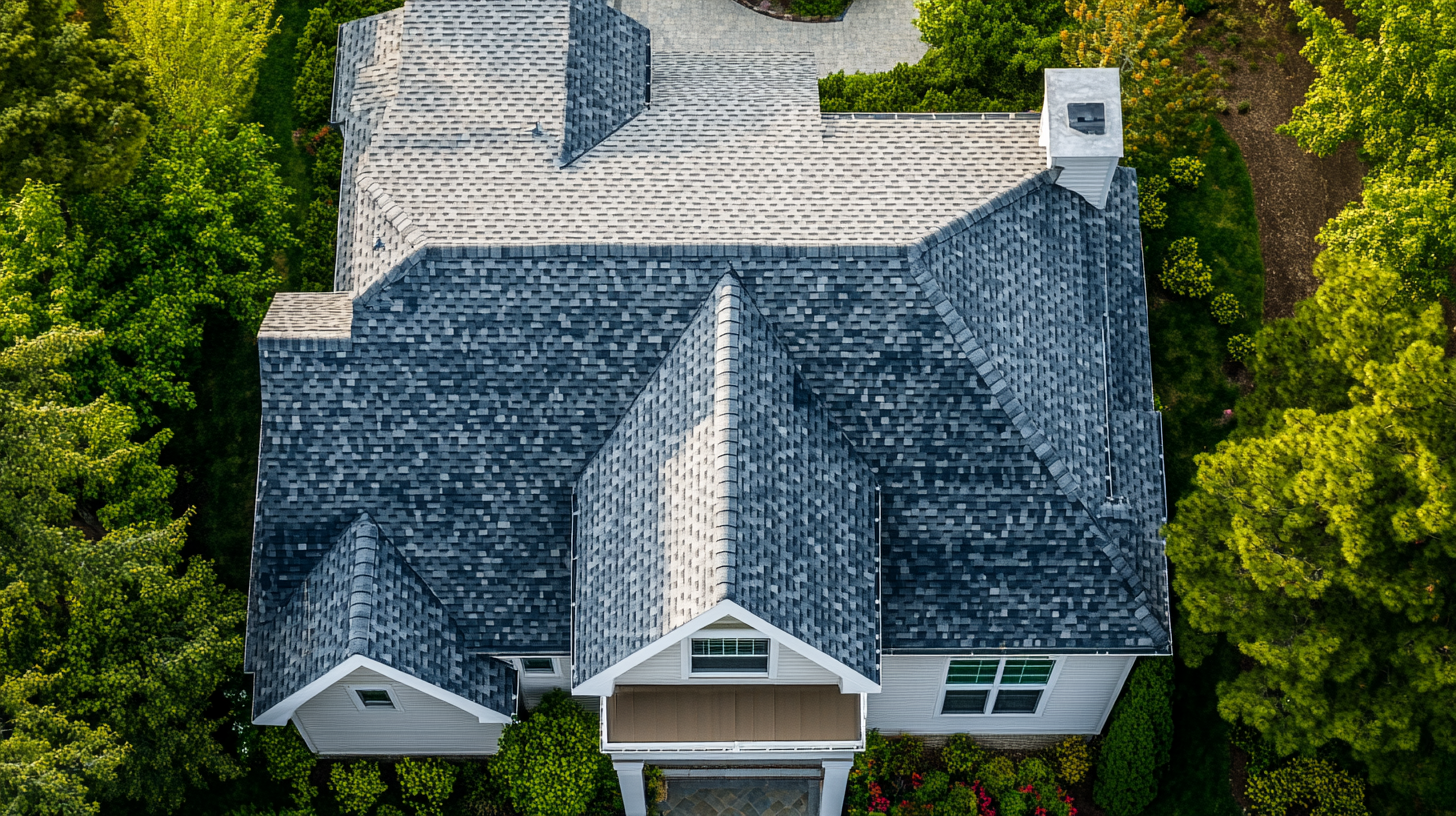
(726, 480)
(732, 149)
(978, 335)
(362, 598)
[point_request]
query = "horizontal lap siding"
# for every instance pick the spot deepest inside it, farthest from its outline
(1085, 687)
(424, 726)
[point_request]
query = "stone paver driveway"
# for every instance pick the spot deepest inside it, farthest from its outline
(873, 36)
(741, 797)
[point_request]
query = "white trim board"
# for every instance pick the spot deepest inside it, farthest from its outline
(604, 683)
(281, 713)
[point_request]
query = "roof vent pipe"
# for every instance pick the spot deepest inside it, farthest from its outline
(1081, 129)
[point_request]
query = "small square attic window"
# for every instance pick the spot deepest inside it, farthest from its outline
(730, 655)
(1087, 117)
(375, 698)
(538, 665)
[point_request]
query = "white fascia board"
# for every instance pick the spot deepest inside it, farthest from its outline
(281, 713)
(603, 683)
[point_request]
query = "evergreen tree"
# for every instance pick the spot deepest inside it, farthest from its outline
(1321, 538)
(70, 104)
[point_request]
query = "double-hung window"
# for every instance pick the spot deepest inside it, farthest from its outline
(1013, 685)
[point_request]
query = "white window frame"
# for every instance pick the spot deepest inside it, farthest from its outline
(710, 634)
(555, 666)
(994, 687)
(354, 689)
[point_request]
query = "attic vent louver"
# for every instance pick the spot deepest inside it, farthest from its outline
(1087, 117)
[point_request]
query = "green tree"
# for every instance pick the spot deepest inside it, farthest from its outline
(201, 56)
(552, 764)
(1139, 740)
(111, 646)
(1321, 538)
(984, 55)
(1165, 107)
(315, 54)
(1390, 86)
(70, 105)
(198, 229)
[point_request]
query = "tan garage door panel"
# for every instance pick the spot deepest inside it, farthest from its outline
(732, 714)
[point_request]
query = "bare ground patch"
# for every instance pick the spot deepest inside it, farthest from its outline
(1295, 193)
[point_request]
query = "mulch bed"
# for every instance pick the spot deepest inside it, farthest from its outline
(1295, 193)
(779, 10)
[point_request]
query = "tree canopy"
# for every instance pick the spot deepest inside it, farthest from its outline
(197, 229)
(984, 55)
(71, 106)
(201, 56)
(1165, 108)
(1321, 538)
(1390, 86)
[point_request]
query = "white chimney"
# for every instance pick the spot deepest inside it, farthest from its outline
(1081, 129)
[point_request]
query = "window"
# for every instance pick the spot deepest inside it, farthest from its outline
(538, 665)
(374, 698)
(996, 686)
(1087, 117)
(730, 655)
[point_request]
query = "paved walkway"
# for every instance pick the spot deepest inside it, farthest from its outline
(873, 36)
(741, 797)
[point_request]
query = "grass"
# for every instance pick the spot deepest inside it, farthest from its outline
(1189, 349)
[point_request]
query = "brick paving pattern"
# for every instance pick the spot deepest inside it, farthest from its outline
(741, 797)
(874, 35)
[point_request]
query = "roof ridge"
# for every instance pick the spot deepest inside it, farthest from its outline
(728, 339)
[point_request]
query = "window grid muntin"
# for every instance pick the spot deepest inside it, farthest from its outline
(1027, 680)
(730, 647)
(972, 672)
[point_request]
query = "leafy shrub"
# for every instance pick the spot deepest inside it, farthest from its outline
(654, 784)
(903, 756)
(818, 8)
(426, 784)
(962, 755)
(1152, 209)
(999, 776)
(1184, 273)
(1226, 308)
(1241, 347)
(1187, 170)
(356, 786)
(1138, 741)
(290, 761)
(931, 788)
(483, 795)
(1261, 753)
(551, 764)
(1072, 760)
(1314, 785)
(960, 800)
(1197, 7)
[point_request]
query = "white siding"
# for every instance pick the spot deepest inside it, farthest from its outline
(666, 668)
(1085, 687)
(535, 686)
(333, 725)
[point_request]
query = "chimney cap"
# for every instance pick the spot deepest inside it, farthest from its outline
(1082, 113)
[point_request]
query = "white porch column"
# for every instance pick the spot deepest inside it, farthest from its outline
(634, 795)
(831, 794)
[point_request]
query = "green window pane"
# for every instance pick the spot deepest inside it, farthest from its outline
(1027, 671)
(972, 672)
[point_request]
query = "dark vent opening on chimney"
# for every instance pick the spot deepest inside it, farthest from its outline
(1087, 117)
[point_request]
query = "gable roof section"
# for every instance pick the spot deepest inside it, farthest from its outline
(726, 480)
(362, 600)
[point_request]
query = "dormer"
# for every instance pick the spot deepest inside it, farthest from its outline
(1081, 129)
